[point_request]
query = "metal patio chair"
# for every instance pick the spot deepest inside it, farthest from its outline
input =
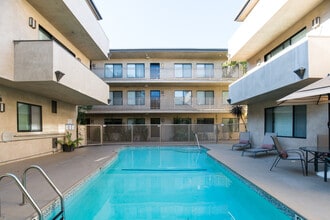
(290, 154)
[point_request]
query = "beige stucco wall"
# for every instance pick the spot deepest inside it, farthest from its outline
(14, 26)
(34, 143)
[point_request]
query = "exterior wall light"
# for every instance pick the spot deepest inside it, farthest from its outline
(300, 72)
(59, 75)
(2, 105)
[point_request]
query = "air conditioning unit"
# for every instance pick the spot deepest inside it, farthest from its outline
(316, 22)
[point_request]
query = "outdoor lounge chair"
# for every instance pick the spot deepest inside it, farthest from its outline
(266, 146)
(289, 154)
(244, 141)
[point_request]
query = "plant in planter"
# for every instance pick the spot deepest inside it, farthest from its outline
(67, 143)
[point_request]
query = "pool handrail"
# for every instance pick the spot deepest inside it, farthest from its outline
(24, 192)
(42, 172)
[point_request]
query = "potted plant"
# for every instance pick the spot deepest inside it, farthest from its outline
(67, 143)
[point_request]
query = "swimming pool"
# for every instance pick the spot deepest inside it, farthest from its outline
(170, 183)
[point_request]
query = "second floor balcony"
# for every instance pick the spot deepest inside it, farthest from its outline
(162, 105)
(45, 68)
(288, 71)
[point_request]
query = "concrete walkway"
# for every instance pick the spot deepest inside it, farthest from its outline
(307, 195)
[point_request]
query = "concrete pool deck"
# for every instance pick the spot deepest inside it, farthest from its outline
(307, 195)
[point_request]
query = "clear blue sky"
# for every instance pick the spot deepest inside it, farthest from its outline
(133, 24)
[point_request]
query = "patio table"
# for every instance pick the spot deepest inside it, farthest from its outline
(319, 153)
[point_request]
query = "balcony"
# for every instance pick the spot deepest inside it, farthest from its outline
(77, 22)
(36, 64)
(166, 106)
(264, 23)
(166, 76)
(276, 77)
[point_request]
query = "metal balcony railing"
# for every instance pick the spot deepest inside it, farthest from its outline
(168, 75)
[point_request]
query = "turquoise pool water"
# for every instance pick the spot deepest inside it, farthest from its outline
(170, 183)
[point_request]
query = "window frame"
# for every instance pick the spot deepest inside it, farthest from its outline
(296, 120)
(137, 94)
(206, 102)
(202, 71)
(183, 97)
(111, 96)
(54, 106)
(112, 72)
(30, 119)
(179, 70)
(288, 42)
(135, 74)
(154, 70)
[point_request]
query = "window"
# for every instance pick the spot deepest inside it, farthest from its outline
(45, 35)
(205, 97)
(136, 121)
(28, 117)
(54, 106)
(205, 70)
(113, 71)
(136, 98)
(286, 121)
(182, 121)
(112, 121)
(135, 70)
(225, 97)
(292, 40)
(183, 70)
(154, 99)
(205, 121)
(116, 98)
(182, 97)
(154, 71)
(205, 125)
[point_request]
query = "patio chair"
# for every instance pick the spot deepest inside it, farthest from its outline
(244, 141)
(289, 154)
(266, 146)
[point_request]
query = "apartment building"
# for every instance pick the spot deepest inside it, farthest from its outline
(287, 46)
(164, 87)
(47, 48)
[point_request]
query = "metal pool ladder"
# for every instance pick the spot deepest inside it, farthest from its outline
(26, 195)
(196, 137)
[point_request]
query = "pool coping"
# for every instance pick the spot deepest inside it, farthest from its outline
(52, 206)
(277, 203)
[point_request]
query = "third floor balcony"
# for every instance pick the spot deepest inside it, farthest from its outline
(289, 70)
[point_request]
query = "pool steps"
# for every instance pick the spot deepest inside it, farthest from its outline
(27, 196)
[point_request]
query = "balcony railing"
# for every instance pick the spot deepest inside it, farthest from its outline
(166, 105)
(168, 75)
